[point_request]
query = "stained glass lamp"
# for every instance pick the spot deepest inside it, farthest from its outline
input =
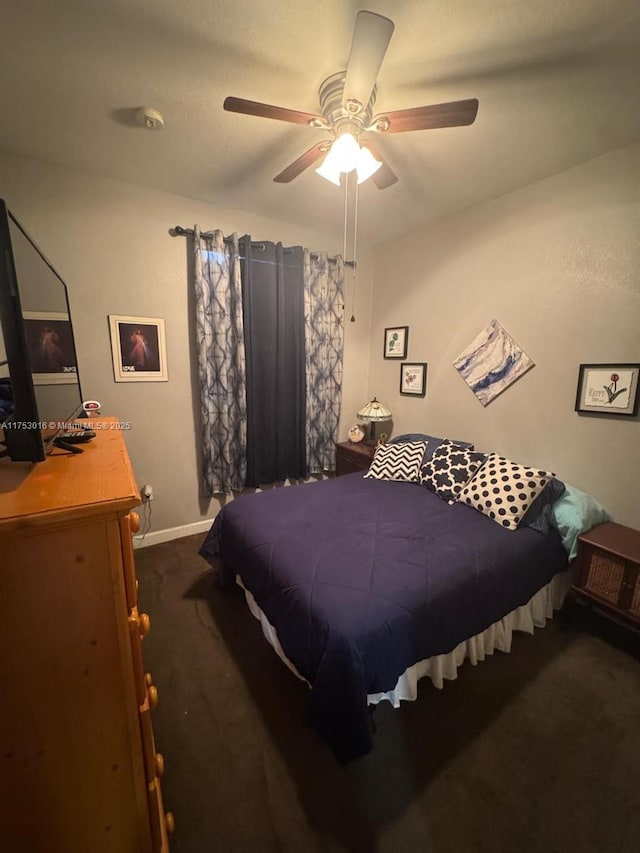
(377, 419)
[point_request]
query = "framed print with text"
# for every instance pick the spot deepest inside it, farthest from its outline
(608, 389)
(413, 379)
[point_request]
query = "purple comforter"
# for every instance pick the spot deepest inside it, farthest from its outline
(362, 578)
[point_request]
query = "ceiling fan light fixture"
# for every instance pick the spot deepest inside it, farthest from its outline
(329, 171)
(342, 157)
(345, 151)
(345, 155)
(367, 165)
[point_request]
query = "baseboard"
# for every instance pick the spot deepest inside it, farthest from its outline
(155, 537)
(158, 536)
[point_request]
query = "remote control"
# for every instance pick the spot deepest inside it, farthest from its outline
(77, 436)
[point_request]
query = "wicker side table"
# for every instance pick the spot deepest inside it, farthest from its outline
(608, 572)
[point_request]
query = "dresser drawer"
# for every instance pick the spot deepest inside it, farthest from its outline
(161, 824)
(349, 466)
(153, 761)
(139, 626)
(129, 525)
(603, 575)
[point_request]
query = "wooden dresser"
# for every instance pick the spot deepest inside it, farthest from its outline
(78, 767)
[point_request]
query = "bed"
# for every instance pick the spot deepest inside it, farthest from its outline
(363, 584)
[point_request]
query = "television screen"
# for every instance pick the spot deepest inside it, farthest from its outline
(38, 347)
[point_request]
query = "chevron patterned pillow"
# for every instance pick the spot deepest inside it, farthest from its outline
(398, 461)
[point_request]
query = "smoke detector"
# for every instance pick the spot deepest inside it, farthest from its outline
(150, 118)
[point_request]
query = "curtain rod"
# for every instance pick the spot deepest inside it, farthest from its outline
(179, 231)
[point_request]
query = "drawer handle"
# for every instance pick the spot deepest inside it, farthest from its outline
(144, 623)
(159, 764)
(152, 693)
(169, 822)
(134, 522)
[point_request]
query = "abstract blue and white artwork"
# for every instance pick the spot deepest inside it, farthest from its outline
(492, 362)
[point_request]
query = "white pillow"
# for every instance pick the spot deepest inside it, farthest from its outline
(398, 461)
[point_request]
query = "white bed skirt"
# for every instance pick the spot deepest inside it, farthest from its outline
(532, 615)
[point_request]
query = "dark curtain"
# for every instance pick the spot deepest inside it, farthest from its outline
(273, 307)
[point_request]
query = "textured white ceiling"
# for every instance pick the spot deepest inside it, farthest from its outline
(557, 82)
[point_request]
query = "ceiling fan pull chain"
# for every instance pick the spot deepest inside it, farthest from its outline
(355, 263)
(346, 202)
(353, 295)
(355, 227)
(344, 241)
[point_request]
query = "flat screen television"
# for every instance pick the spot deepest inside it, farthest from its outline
(39, 381)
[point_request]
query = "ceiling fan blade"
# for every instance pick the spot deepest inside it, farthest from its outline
(255, 108)
(453, 114)
(307, 159)
(385, 176)
(371, 37)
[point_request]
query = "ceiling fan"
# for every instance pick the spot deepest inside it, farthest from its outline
(347, 100)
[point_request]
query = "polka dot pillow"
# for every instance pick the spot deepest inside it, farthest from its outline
(450, 467)
(504, 490)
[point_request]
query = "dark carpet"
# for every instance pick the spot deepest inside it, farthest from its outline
(538, 750)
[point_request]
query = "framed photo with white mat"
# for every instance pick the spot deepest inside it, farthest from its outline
(138, 349)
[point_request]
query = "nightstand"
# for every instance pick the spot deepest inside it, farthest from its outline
(352, 457)
(608, 572)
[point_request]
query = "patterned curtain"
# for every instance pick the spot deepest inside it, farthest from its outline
(324, 340)
(221, 362)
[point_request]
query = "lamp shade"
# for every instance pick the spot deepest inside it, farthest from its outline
(345, 152)
(366, 165)
(375, 411)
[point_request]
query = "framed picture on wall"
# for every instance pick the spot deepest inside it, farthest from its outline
(138, 349)
(396, 339)
(413, 379)
(51, 350)
(608, 389)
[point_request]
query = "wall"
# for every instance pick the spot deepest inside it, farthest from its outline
(558, 264)
(110, 241)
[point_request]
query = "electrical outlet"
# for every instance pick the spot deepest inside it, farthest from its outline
(146, 492)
